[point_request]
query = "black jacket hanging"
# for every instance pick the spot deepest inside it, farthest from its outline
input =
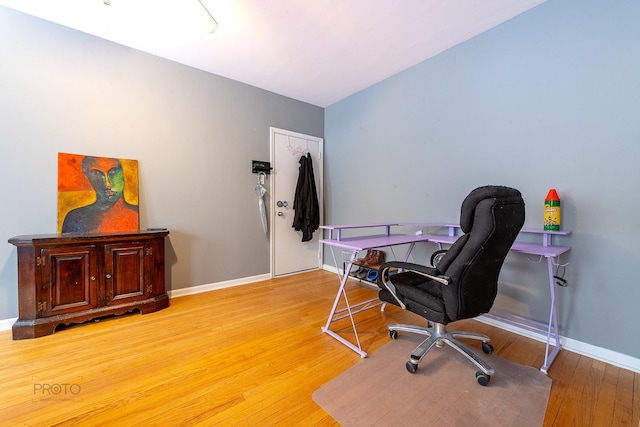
(307, 210)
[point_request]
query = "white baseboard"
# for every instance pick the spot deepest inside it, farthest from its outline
(598, 353)
(6, 324)
(331, 268)
(219, 285)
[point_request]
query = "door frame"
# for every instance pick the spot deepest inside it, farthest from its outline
(318, 171)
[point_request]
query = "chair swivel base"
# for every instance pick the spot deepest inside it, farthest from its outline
(437, 335)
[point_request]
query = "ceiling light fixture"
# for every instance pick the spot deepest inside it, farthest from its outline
(215, 23)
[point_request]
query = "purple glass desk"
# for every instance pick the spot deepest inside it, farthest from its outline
(350, 246)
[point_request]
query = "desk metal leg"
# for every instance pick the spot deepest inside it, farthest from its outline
(552, 329)
(408, 254)
(338, 314)
(547, 330)
(349, 310)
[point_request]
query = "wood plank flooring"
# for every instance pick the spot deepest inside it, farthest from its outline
(250, 355)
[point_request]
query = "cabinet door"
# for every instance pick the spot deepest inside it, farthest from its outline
(126, 272)
(68, 279)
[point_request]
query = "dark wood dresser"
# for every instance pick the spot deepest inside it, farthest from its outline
(72, 278)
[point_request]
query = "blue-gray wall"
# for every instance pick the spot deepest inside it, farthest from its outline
(193, 133)
(549, 99)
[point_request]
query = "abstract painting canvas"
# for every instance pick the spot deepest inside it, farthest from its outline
(97, 194)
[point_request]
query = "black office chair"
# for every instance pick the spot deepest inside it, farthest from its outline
(464, 282)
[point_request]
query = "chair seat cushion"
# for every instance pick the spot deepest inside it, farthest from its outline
(420, 295)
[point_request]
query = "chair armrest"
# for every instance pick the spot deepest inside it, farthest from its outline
(429, 272)
(385, 282)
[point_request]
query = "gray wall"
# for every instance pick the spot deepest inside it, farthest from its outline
(548, 99)
(193, 133)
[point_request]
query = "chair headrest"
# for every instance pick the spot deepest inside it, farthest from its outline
(467, 210)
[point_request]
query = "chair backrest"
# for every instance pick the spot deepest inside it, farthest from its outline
(490, 218)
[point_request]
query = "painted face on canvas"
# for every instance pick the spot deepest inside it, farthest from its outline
(106, 177)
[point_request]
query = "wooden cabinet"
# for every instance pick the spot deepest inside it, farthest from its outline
(72, 278)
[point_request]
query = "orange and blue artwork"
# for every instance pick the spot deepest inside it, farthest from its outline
(97, 194)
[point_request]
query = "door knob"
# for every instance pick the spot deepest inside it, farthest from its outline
(281, 204)
(280, 214)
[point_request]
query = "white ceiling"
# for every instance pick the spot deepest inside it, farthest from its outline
(318, 51)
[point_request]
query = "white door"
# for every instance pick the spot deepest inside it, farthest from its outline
(288, 253)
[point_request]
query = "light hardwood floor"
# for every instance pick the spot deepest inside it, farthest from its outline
(250, 355)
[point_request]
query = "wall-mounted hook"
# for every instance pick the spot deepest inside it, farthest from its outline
(538, 261)
(261, 177)
(557, 263)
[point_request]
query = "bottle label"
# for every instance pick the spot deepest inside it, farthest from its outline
(552, 215)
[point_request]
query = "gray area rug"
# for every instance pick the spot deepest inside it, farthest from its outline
(378, 391)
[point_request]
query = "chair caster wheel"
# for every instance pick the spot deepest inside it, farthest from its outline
(393, 334)
(483, 379)
(487, 348)
(411, 367)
